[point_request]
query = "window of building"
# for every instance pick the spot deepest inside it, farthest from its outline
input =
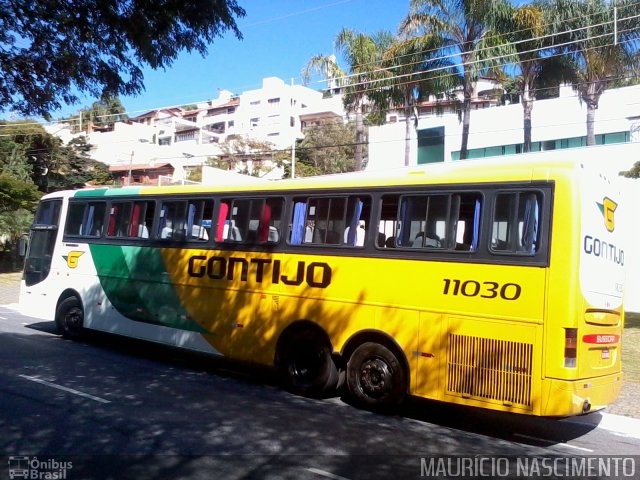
(273, 102)
(515, 227)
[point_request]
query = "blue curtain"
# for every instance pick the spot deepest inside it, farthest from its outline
(190, 216)
(353, 226)
(297, 229)
(476, 226)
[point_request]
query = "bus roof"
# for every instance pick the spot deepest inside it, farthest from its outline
(523, 167)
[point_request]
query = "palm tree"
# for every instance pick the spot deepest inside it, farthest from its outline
(465, 27)
(603, 52)
(414, 70)
(362, 54)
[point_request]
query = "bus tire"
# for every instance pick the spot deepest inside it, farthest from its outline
(306, 365)
(376, 379)
(70, 318)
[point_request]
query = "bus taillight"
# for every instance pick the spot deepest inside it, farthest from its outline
(570, 347)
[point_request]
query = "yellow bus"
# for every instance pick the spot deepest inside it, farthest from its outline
(492, 283)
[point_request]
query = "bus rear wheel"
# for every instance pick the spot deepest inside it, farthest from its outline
(70, 318)
(375, 377)
(305, 364)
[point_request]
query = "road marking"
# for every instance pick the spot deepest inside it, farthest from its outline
(3, 318)
(65, 389)
(326, 474)
(537, 439)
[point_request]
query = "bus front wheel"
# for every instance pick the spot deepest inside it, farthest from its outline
(306, 365)
(375, 377)
(70, 318)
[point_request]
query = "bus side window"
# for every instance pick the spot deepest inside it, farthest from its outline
(516, 223)
(85, 219)
(119, 219)
(438, 222)
(172, 222)
(199, 219)
(251, 221)
(330, 221)
(141, 219)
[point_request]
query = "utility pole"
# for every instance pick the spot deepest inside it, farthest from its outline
(293, 145)
(130, 166)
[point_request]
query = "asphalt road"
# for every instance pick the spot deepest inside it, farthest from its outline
(113, 408)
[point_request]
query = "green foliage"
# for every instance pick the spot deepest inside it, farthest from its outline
(244, 155)
(30, 154)
(325, 149)
(51, 50)
(633, 172)
(16, 194)
(100, 114)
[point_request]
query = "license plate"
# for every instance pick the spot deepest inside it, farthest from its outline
(605, 353)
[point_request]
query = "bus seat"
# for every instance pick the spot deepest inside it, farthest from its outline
(274, 235)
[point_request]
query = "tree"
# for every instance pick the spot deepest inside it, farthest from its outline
(415, 71)
(465, 28)
(51, 50)
(363, 54)
(102, 113)
(633, 172)
(327, 148)
(32, 153)
(601, 44)
(244, 155)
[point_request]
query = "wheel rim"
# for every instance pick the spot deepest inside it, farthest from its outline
(73, 319)
(376, 377)
(304, 367)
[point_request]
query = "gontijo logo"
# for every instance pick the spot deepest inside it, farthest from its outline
(607, 208)
(72, 258)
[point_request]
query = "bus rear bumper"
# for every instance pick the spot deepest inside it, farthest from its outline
(576, 397)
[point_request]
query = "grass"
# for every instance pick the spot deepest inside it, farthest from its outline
(631, 348)
(10, 278)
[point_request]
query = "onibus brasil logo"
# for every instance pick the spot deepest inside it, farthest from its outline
(607, 208)
(33, 468)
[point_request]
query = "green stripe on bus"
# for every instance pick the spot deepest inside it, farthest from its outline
(136, 283)
(107, 192)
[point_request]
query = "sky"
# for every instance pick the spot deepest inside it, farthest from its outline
(280, 36)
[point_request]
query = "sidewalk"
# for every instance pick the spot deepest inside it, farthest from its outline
(9, 288)
(626, 404)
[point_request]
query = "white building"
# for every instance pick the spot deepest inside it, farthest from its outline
(556, 123)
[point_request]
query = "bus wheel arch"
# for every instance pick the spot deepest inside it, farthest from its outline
(70, 315)
(304, 360)
(377, 370)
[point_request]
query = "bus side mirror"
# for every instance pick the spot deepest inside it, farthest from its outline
(23, 245)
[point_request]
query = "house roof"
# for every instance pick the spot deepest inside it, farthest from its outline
(153, 113)
(138, 167)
